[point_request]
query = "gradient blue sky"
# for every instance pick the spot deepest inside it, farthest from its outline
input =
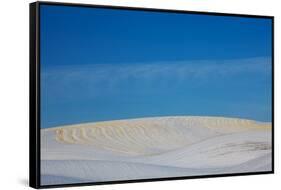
(102, 64)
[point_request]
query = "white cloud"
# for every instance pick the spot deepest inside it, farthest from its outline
(93, 78)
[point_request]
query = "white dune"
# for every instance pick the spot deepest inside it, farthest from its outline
(154, 147)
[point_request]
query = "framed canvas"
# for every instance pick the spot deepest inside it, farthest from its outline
(123, 94)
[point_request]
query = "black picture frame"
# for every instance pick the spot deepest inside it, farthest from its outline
(34, 93)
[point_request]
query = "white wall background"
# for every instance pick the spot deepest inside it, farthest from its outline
(14, 57)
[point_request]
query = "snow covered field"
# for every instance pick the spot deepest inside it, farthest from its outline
(153, 147)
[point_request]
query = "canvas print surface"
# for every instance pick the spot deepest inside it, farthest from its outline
(130, 94)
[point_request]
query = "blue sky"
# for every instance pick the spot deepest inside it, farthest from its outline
(102, 64)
